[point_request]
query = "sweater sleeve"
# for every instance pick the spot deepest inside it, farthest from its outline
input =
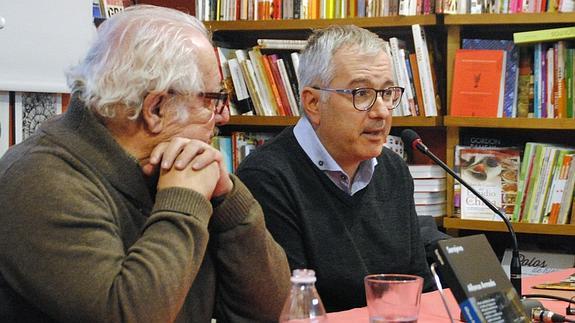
(64, 247)
(253, 280)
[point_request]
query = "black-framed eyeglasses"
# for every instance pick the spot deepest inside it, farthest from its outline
(217, 100)
(364, 98)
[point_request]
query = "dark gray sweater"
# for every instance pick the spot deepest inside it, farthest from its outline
(342, 237)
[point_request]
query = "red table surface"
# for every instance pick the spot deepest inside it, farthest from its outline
(432, 308)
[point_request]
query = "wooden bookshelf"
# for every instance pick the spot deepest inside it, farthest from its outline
(504, 19)
(518, 123)
(288, 121)
(303, 24)
(497, 226)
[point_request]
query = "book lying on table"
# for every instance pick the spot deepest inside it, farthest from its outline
(472, 271)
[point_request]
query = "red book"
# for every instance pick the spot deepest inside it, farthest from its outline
(478, 83)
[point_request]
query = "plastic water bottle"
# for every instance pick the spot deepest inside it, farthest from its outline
(303, 303)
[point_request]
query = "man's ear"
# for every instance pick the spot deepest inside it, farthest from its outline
(153, 111)
(310, 99)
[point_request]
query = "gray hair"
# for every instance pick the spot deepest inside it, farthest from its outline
(143, 49)
(316, 59)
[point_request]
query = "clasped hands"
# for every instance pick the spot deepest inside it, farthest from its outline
(191, 164)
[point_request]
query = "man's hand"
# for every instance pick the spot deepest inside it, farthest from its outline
(181, 156)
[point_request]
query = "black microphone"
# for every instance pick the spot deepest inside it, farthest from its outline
(411, 138)
(538, 313)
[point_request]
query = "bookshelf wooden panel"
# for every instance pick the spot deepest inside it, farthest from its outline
(496, 226)
(516, 123)
(277, 121)
(303, 24)
(504, 19)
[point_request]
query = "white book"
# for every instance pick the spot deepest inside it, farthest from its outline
(431, 210)
(240, 87)
(423, 198)
(387, 49)
(293, 44)
(401, 73)
(4, 122)
(295, 62)
(426, 171)
(424, 65)
(429, 185)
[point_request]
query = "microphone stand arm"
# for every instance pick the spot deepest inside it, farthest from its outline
(515, 265)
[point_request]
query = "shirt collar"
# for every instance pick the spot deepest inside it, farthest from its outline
(314, 149)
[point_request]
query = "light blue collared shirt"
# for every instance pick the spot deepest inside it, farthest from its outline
(314, 149)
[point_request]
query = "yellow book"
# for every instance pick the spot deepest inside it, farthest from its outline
(544, 35)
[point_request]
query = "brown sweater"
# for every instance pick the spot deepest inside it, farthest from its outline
(82, 238)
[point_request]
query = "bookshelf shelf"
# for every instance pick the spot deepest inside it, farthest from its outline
(303, 24)
(504, 19)
(288, 121)
(262, 121)
(510, 123)
(532, 228)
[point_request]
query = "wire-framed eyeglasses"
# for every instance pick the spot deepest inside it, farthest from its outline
(363, 98)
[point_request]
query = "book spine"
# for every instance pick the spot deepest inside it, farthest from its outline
(424, 70)
(544, 35)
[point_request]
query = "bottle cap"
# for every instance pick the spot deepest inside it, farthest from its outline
(303, 276)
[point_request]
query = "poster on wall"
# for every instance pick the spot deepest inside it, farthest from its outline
(4, 122)
(31, 109)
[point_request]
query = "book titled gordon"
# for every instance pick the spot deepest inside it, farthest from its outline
(469, 267)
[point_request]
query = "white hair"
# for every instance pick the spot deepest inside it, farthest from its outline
(143, 49)
(316, 59)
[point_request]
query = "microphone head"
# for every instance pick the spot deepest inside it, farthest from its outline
(410, 138)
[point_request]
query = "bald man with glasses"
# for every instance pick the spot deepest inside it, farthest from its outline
(333, 196)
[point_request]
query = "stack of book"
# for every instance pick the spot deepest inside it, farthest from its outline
(429, 190)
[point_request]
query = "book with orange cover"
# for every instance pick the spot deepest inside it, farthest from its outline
(417, 84)
(478, 83)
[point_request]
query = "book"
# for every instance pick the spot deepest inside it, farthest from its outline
(426, 171)
(4, 122)
(395, 144)
(243, 143)
(429, 184)
(478, 83)
(417, 84)
(422, 198)
(401, 72)
(492, 172)
(434, 210)
(111, 7)
(511, 69)
(224, 145)
(294, 44)
(470, 268)
(425, 74)
(543, 35)
(556, 181)
(567, 198)
(31, 109)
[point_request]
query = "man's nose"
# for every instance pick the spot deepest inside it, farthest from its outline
(223, 117)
